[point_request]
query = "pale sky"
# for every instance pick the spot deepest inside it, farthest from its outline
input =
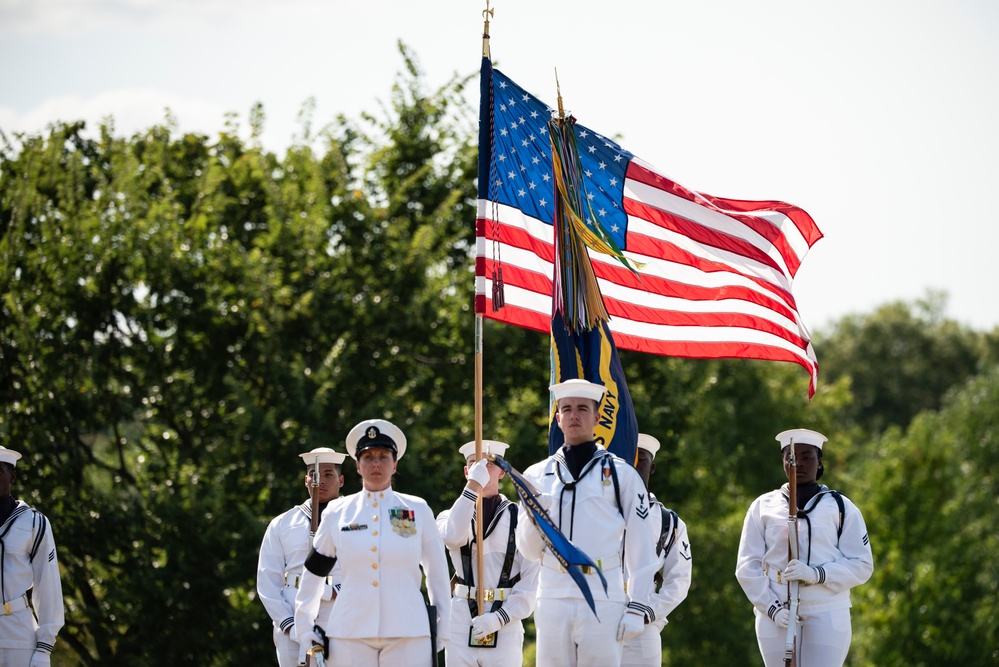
(878, 117)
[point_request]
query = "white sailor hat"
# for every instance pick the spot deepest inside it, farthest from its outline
(376, 433)
(323, 455)
(801, 436)
(9, 456)
(488, 447)
(578, 389)
(648, 443)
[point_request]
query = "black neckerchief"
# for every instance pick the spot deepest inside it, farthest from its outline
(579, 460)
(489, 506)
(577, 456)
(7, 506)
(806, 492)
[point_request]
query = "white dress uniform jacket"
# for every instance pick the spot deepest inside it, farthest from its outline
(285, 545)
(381, 539)
(845, 559)
(675, 566)
(29, 562)
(458, 530)
(587, 512)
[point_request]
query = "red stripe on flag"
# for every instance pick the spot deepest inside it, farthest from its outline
(697, 232)
(740, 210)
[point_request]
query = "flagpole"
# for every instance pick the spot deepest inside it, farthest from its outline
(479, 559)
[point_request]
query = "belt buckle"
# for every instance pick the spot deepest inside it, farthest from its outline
(487, 595)
(585, 569)
(779, 573)
(6, 608)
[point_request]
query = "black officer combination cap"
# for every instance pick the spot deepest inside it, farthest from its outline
(376, 433)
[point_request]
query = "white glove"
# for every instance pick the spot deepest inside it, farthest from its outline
(308, 638)
(781, 617)
(486, 624)
(479, 472)
(631, 625)
(545, 501)
(798, 571)
(39, 659)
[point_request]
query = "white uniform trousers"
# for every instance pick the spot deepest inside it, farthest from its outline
(19, 625)
(569, 635)
(390, 652)
(823, 639)
(645, 650)
(289, 651)
(15, 657)
(509, 651)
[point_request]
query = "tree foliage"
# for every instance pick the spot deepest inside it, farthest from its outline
(931, 600)
(181, 315)
(901, 360)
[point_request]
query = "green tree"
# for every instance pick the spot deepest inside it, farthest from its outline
(181, 316)
(901, 359)
(931, 511)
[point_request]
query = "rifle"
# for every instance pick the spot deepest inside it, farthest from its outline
(314, 497)
(790, 643)
(314, 657)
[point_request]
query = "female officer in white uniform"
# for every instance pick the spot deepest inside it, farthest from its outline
(381, 539)
(834, 555)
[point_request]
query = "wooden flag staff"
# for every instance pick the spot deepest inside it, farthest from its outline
(480, 584)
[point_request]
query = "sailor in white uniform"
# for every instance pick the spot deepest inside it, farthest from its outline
(492, 636)
(834, 555)
(381, 539)
(673, 572)
(286, 543)
(28, 562)
(601, 505)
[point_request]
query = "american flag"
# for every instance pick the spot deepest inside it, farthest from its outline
(717, 275)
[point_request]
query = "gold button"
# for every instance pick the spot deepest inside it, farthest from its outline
(374, 532)
(375, 584)
(374, 518)
(374, 566)
(375, 504)
(374, 548)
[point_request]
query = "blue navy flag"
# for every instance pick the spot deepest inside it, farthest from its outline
(568, 556)
(592, 355)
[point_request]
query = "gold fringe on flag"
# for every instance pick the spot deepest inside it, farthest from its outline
(577, 293)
